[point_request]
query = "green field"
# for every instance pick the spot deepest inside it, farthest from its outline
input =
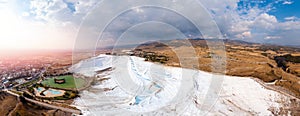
(71, 82)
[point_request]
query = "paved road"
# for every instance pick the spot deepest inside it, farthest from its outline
(46, 105)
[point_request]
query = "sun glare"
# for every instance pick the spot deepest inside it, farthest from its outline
(20, 34)
(8, 28)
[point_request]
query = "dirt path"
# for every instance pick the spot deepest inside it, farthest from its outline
(10, 113)
(274, 88)
(47, 105)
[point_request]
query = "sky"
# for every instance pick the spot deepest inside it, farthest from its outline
(56, 24)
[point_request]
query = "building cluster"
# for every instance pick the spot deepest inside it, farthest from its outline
(13, 72)
(16, 71)
(59, 81)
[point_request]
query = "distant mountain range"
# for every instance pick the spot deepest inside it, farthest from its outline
(203, 43)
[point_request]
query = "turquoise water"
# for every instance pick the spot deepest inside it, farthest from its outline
(138, 99)
(40, 89)
(54, 92)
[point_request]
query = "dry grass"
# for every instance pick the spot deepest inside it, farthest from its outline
(240, 61)
(7, 103)
(10, 105)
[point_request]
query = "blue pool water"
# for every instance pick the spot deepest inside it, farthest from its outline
(54, 92)
(40, 89)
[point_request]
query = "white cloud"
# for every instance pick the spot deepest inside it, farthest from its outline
(84, 6)
(272, 37)
(289, 25)
(287, 2)
(243, 35)
(290, 18)
(254, 24)
(57, 11)
(49, 11)
(265, 21)
(241, 26)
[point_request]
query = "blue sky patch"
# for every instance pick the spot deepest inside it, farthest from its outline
(70, 5)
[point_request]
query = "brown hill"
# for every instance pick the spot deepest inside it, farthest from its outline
(11, 106)
(242, 59)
